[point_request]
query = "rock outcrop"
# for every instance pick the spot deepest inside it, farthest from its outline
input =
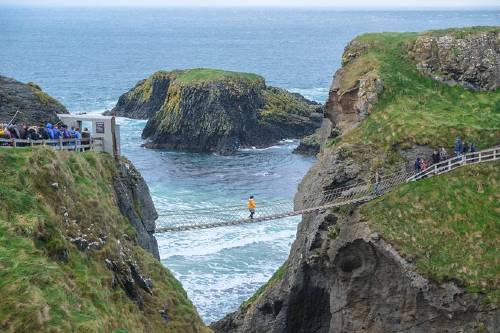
(354, 90)
(311, 144)
(204, 110)
(465, 57)
(342, 275)
(35, 106)
(146, 98)
(135, 203)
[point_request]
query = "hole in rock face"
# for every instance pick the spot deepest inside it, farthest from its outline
(350, 263)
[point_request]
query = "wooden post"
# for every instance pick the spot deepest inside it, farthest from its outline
(60, 144)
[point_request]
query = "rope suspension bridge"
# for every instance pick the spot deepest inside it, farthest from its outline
(224, 216)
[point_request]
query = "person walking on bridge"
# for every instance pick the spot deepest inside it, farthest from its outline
(251, 206)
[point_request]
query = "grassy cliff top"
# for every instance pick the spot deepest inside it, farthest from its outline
(462, 32)
(207, 74)
(416, 109)
(143, 91)
(449, 225)
(46, 283)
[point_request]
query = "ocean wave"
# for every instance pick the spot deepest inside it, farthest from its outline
(210, 246)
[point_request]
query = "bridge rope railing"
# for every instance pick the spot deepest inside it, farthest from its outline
(206, 218)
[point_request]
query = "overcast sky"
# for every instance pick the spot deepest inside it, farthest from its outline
(282, 3)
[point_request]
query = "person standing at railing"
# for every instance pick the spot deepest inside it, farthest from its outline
(472, 147)
(418, 164)
(465, 148)
(251, 205)
(458, 146)
(435, 157)
(423, 165)
(443, 155)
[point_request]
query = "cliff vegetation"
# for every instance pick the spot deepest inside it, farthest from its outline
(447, 225)
(69, 260)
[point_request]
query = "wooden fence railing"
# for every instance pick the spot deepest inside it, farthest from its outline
(59, 144)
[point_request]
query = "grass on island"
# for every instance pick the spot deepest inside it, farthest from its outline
(281, 105)
(449, 225)
(416, 109)
(144, 88)
(46, 283)
(207, 74)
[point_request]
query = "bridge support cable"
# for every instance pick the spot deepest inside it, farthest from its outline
(207, 218)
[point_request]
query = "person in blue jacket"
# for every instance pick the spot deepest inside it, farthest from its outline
(50, 130)
(458, 146)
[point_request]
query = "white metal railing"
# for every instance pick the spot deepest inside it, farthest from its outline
(206, 218)
(486, 155)
(57, 144)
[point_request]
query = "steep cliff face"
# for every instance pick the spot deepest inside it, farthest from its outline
(395, 264)
(205, 110)
(146, 98)
(75, 232)
(34, 105)
(136, 205)
(355, 88)
(471, 60)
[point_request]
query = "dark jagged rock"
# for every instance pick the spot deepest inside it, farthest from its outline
(136, 204)
(311, 144)
(206, 110)
(34, 105)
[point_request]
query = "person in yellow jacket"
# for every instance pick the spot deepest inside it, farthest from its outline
(251, 206)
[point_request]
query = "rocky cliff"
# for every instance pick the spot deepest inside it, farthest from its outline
(455, 57)
(145, 98)
(75, 232)
(34, 105)
(396, 264)
(205, 110)
(136, 205)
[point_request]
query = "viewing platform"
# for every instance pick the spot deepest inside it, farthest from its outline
(104, 135)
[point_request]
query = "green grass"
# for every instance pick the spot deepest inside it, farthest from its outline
(144, 89)
(415, 109)
(207, 74)
(282, 105)
(449, 225)
(462, 32)
(43, 97)
(277, 277)
(46, 283)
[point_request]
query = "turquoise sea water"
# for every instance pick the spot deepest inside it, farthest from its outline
(88, 57)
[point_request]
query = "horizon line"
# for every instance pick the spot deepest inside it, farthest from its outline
(352, 7)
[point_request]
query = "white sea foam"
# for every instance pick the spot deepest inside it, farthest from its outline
(196, 245)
